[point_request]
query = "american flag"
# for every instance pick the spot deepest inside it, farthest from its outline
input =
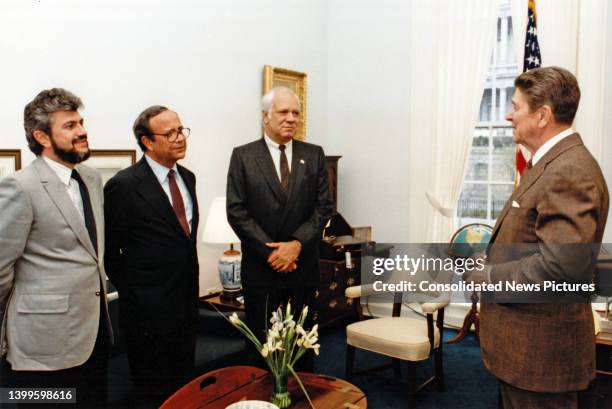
(532, 59)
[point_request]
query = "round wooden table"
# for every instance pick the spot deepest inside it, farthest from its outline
(218, 389)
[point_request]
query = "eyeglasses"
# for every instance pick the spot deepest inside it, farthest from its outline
(173, 135)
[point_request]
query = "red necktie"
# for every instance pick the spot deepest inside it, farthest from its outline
(177, 202)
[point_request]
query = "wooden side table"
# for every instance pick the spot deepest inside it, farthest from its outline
(218, 389)
(214, 300)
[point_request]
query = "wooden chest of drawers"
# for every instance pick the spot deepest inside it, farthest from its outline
(331, 305)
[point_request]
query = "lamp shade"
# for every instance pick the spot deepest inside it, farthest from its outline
(217, 229)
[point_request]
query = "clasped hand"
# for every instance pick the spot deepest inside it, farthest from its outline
(284, 256)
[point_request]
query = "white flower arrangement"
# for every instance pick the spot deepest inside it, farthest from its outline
(286, 342)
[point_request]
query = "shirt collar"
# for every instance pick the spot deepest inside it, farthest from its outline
(160, 171)
(273, 145)
(64, 173)
(549, 144)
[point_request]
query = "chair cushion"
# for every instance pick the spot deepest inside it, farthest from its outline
(397, 337)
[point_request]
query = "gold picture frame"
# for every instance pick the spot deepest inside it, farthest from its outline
(295, 80)
(110, 161)
(10, 161)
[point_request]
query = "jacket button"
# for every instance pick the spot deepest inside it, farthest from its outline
(97, 293)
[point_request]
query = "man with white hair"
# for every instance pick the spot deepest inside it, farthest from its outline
(278, 203)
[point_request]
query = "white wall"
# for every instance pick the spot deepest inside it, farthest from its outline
(368, 110)
(203, 59)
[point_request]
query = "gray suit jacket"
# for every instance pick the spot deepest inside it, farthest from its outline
(50, 274)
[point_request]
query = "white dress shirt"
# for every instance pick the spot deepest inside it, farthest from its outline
(161, 173)
(275, 153)
(549, 144)
(64, 174)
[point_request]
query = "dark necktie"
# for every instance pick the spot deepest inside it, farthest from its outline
(90, 222)
(177, 202)
(284, 168)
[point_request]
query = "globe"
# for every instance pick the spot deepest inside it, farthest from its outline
(470, 239)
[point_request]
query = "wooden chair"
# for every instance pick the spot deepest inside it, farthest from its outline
(401, 338)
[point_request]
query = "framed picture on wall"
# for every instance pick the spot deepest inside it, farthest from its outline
(110, 161)
(10, 161)
(295, 80)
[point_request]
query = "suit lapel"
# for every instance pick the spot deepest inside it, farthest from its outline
(151, 191)
(194, 208)
(528, 180)
(57, 191)
(298, 168)
(264, 161)
(534, 174)
(95, 197)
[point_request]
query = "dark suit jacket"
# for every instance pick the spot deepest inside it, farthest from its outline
(151, 261)
(547, 347)
(260, 211)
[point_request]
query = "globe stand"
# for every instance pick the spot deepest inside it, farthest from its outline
(462, 246)
(472, 317)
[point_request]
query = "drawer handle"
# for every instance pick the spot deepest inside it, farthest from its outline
(333, 286)
(350, 281)
(332, 304)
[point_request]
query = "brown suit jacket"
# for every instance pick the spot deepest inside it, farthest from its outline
(547, 347)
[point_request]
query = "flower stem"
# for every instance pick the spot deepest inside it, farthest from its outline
(299, 381)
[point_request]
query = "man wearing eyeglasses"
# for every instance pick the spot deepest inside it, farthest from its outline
(151, 214)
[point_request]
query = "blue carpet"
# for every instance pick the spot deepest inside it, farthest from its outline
(468, 383)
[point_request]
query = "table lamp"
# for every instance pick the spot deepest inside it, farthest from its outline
(218, 231)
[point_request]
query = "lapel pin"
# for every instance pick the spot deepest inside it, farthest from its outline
(302, 161)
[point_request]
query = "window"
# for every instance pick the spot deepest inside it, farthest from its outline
(489, 179)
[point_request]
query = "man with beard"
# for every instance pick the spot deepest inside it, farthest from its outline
(151, 214)
(56, 329)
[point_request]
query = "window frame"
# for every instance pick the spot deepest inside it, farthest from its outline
(498, 71)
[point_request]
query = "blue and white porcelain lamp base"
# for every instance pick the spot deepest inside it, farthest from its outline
(229, 274)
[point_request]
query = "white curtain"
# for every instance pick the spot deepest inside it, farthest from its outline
(572, 35)
(451, 46)
(591, 71)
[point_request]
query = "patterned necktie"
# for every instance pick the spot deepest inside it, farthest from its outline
(177, 202)
(90, 222)
(284, 167)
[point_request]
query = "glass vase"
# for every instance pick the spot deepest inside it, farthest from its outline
(280, 394)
